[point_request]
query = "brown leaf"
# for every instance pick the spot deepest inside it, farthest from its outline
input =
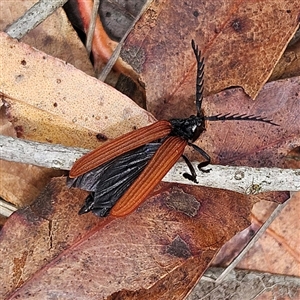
(277, 250)
(253, 143)
(22, 183)
(160, 249)
(37, 236)
(240, 40)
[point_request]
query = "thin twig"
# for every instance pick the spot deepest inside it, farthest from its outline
(33, 17)
(117, 50)
(244, 180)
(39, 154)
(92, 25)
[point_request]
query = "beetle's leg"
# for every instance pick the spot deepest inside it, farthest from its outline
(205, 155)
(193, 175)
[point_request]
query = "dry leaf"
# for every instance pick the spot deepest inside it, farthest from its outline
(240, 40)
(49, 100)
(117, 16)
(243, 284)
(161, 249)
(21, 184)
(55, 36)
(253, 143)
(277, 251)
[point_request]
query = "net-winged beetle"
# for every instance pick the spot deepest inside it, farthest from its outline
(121, 173)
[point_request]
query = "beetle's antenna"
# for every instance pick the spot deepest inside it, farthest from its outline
(199, 80)
(240, 117)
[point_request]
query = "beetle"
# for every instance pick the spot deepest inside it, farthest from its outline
(121, 173)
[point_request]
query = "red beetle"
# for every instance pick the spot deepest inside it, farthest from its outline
(122, 173)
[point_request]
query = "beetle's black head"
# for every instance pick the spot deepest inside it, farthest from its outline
(189, 128)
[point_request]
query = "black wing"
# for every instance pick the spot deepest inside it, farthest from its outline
(108, 182)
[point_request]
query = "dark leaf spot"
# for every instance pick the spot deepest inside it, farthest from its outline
(196, 13)
(19, 130)
(179, 248)
(237, 25)
(101, 137)
(183, 202)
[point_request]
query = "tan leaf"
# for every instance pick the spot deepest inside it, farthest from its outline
(21, 184)
(49, 100)
(55, 36)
